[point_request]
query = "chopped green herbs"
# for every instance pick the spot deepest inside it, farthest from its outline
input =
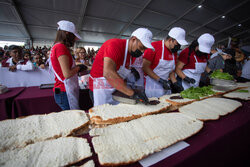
(197, 93)
(242, 91)
(221, 75)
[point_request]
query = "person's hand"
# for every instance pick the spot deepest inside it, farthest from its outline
(42, 66)
(135, 73)
(189, 80)
(210, 72)
(165, 84)
(140, 97)
(178, 87)
(12, 68)
(77, 59)
(82, 67)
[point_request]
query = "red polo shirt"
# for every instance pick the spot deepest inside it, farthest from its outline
(155, 56)
(57, 51)
(191, 64)
(114, 49)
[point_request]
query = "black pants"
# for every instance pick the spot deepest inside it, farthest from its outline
(91, 96)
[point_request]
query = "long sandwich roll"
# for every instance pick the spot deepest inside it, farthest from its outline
(56, 152)
(111, 114)
(16, 133)
(210, 109)
(243, 94)
(176, 99)
(131, 141)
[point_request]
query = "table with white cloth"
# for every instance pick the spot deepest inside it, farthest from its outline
(25, 78)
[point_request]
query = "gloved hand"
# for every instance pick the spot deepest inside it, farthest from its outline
(135, 73)
(178, 87)
(82, 67)
(165, 84)
(189, 80)
(210, 73)
(140, 97)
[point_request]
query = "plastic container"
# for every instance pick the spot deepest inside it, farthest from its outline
(222, 84)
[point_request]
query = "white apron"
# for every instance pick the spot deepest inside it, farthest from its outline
(72, 88)
(194, 73)
(102, 90)
(246, 70)
(138, 66)
(153, 88)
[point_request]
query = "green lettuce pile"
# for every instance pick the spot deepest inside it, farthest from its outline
(242, 91)
(197, 93)
(221, 75)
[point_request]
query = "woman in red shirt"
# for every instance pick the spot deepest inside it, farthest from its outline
(66, 88)
(192, 61)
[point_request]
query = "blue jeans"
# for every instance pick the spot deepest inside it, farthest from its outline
(62, 100)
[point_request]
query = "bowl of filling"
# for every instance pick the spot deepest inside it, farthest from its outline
(222, 81)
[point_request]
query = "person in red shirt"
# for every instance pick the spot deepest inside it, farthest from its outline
(111, 67)
(192, 61)
(159, 65)
(66, 87)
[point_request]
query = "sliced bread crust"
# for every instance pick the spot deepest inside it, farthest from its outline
(210, 109)
(56, 152)
(176, 102)
(15, 133)
(129, 142)
(239, 95)
(112, 114)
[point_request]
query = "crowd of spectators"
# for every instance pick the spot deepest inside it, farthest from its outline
(18, 58)
(84, 57)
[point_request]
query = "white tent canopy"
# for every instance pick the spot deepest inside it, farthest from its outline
(100, 20)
